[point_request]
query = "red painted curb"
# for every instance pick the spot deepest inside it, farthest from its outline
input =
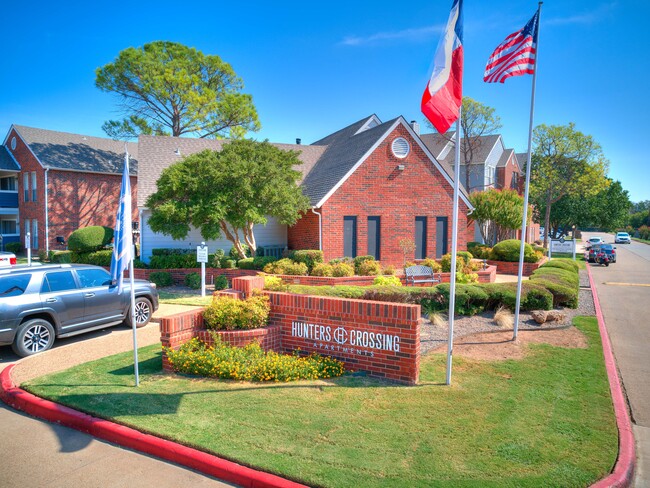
(624, 469)
(133, 439)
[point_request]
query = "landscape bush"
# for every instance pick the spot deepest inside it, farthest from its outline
(14, 247)
(233, 254)
(310, 257)
(61, 257)
(97, 258)
(246, 263)
(561, 278)
(226, 313)
(369, 268)
(387, 281)
(193, 281)
(165, 258)
(274, 283)
(161, 278)
(359, 260)
(479, 250)
(229, 263)
(249, 363)
(463, 261)
(388, 270)
(342, 269)
(90, 238)
(434, 265)
(568, 265)
(257, 262)
(508, 250)
(322, 269)
(286, 266)
(217, 258)
(220, 282)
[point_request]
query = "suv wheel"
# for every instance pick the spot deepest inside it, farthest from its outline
(143, 311)
(33, 336)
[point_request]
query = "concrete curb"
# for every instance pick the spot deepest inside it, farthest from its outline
(133, 439)
(623, 473)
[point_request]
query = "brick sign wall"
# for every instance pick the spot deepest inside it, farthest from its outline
(380, 338)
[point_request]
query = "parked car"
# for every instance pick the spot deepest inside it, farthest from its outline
(46, 302)
(591, 252)
(7, 259)
(622, 238)
(595, 240)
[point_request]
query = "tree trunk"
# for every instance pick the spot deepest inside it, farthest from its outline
(249, 237)
(233, 237)
(547, 219)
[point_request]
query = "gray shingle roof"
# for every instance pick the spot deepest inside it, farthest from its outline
(522, 159)
(159, 152)
(6, 161)
(75, 152)
(344, 149)
(436, 142)
(483, 147)
(505, 156)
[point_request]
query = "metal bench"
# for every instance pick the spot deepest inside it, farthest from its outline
(420, 274)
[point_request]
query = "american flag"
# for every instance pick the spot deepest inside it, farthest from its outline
(122, 238)
(515, 56)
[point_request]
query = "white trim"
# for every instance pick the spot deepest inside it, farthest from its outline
(493, 146)
(89, 172)
(400, 120)
(26, 145)
(368, 124)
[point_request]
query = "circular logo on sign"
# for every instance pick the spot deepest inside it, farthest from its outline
(340, 335)
(562, 240)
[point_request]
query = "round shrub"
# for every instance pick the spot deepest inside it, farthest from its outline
(322, 269)
(246, 263)
(229, 264)
(193, 280)
(342, 269)
(90, 238)
(14, 247)
(359, 260)
(225, 313)
(388, 270)
(561, 263)
(310, 257)
(161, 278)
(61, 257)
(273, 283)
(508, 250)
(369, 268)
(220, 282)
(562, 294)
(434, 265)
(445, 263)
(287, 267)
(387, 281)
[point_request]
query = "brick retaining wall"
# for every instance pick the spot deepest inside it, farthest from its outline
(504, 267)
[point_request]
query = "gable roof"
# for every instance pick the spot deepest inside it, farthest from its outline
(437, 142)
(505, 156)
(159, 152)
(483, 146)
(7, 162)
(76, 152)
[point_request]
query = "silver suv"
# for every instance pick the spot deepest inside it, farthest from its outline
(40, 303)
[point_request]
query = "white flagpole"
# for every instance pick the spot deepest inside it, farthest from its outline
(131, 281)
(526, 187)
(454, 246)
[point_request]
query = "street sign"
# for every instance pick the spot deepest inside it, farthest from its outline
(202, 254)
(560, 245)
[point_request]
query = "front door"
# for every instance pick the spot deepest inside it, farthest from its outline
(350, 237)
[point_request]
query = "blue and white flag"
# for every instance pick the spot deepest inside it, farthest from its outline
(122, 238)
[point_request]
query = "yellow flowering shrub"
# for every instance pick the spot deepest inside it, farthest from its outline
(225, 313)
(249, 363)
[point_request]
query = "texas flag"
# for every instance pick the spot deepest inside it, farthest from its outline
(444, 94)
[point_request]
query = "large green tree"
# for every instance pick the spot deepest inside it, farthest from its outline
(498, 213)
(168, 88)
(565, 162)
(476, 120)
(227, 192)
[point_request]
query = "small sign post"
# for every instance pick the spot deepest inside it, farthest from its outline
(202, 257)
(28, 247)
(563, 246)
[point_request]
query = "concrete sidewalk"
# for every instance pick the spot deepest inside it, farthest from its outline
(41, 454)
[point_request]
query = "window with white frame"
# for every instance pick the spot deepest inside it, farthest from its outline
(34, 187)
(8, 227)
(26, 186)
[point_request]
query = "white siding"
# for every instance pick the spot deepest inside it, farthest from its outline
(270, 234)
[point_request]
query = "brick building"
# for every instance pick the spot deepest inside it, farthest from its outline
(64, 181)
(370, 185)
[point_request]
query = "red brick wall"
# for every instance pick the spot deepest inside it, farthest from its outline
(378, 188)
(304, 234)
(504, 267)
(178, 275)
(355, 320)
(79, 199)
(29, 210)
(504, 175)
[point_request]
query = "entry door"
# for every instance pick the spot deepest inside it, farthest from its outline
(420, 237)
(441, 236)
(374, 237)
(350, 237)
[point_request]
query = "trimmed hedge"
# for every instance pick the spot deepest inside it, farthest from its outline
(161, 278)
(560, 277)
(98, 258)
(310, 257)
(14, 247)
(257, 262)
(508, 251)
(61, 257)
(90, 238)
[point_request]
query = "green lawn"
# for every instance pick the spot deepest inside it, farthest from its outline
(189, 298)
(546, 420)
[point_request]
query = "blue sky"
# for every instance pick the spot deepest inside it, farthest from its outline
(313, 69)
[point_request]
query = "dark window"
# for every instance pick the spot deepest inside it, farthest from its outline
(93, 277)
(374, 237)
(13, 285)
(420, 237)
(441, 236)
(350, 236)
(58, 281)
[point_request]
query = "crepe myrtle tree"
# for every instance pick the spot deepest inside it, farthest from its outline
(227, 192)
(498, 214)
(167, 88)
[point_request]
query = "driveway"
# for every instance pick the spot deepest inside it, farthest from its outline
(624, 293)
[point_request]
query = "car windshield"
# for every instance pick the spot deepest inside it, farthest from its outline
(622, 234)
(606, 247)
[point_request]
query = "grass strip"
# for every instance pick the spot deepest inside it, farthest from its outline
(546, 420)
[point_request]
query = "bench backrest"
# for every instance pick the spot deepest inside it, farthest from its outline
(418, 270)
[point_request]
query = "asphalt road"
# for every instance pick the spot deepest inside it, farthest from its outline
(624, 292)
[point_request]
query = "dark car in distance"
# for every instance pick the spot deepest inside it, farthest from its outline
(39, 304)
(591, 255)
